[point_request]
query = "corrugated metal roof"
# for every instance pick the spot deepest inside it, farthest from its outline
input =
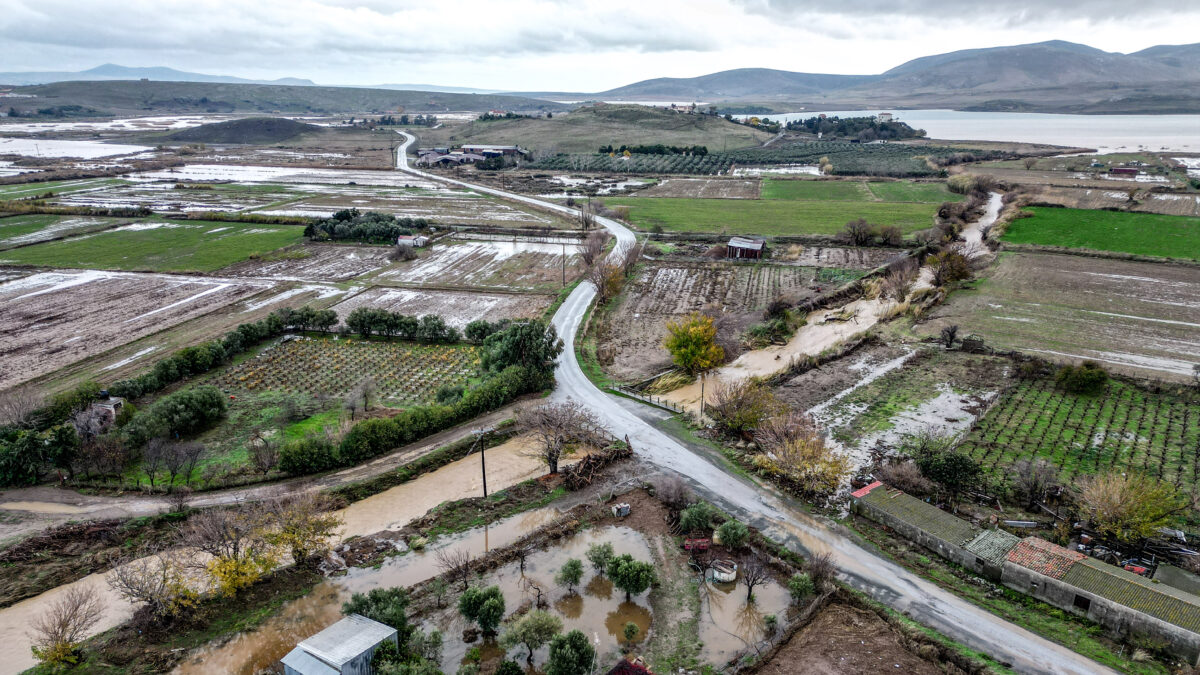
(926, 517)
(993, 545)
(1158, 600)
(346, 639)
(746, 242)
(1043, 557)
(307, 664)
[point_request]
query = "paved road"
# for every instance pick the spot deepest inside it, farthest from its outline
(774, 513)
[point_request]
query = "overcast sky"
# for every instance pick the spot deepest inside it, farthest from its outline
(570, 45)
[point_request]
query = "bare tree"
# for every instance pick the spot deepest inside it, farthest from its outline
(158, 580)
(753, 574)
(303, 524)
(899, 280)
(858, 232)
(367, 390)
(1029, 162)
(949, 335)
(674, 492)
(264, 452)
(89, 423)
(587, 219)
(181, 460)
(821, 567)
(905, 476)
(593, 247)
(179, 499)
(18, 405)
(350, 403)
(608, 279)
(58, 631)
(155, 457)
(455, 563)
(553, 425)
(230, 533)
(522, 549)
(791, 426)
(1031, 479)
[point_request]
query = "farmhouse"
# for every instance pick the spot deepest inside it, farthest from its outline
(108, 407)
(745, 247)
(345, 648)
(1123, 602)
(1123, 171)
(412, 241)
(883, 117)
(493, 150)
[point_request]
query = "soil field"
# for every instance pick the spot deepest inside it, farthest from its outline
(849, 641)
(704, 188)
(30, 229)
(460, 207)
(636, 327)
(159, 246)
(314, 262)
(851, 258)
(1137, 233)
(770, 216)
(1077, 179)
(857, 191)
(1134, 317)
(53, 319)
(455, 307)
(134, 357)
(491, 264)
(331, 146)
(404, 372)
(1123, 428)
(209, 173)
(165, 196)
(1166, 203)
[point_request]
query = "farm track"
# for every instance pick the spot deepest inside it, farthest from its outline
(783, 520)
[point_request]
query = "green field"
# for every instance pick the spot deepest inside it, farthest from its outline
(27, 229)
(1123, 428)
(1138, 233)
(160, 246)
(770, 216)
(58, 187)
(856, 191)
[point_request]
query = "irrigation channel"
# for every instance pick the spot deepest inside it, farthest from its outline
(775, 514)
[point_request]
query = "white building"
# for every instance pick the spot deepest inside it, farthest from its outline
(345, 648)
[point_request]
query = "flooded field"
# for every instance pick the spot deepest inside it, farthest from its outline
(499, 264)
(279, 174)
(1133, 317)
(42, 147)
(315, 262)
(52, 319)
(448, 206)
(456, 308)
(140, 124)
(31, 229)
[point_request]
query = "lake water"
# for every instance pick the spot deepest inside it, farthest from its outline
(1106, 133)
(41, 147)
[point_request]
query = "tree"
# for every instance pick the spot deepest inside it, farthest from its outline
(570, 574)
(593, 247)
(264, 452)
(692, 343)
(238, 541)
(455, 563)
(800, 586)
(629, 575)
(738, 407)
(533, 344)
(158, 580)
(733, 534)
(18, 405)
(697, 518)
(1029, 162)
(608, 278)
(858, 232)
(947, 267)
(1086, 378)
(600, 555)
(553, 426)
(953, 470)
(1031, 479)
(388, 606)
(533, 630)
(753, 574)
(484, 606)
(181, 461)
(1129, 507)
(304, 524)
(891, 235)
(570, 654)
(154, 457)
(58, 631)
(949, 335)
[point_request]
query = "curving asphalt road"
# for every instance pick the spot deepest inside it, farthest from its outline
(774, 513)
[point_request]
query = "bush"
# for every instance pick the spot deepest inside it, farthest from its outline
(1086, 378)
(312, 454)
(733, 534)
(800, 586)
(697, 518)
(371, 227)
(182, 413)
(484, 606)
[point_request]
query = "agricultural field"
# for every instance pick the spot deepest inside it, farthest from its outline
(58, 187)
(1137, 318)
(1075, 179)
(314, 262)
(455, 307)
(634, 329)
(527, 265)
(453, 207)
(769, 216)
(1123, 428)
(704, 188)
(1137, 233)
(404, 373)
(184, 197)
(857, 191)
(31, 229)
(53, 319)
(856, 159)
(1165, 203)
(159, 246)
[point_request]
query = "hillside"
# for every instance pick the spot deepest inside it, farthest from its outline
(739, 83)
(137, 97)
(589, 127)
(111, 71)
(255, 130)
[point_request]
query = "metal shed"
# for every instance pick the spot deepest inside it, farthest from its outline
(745, 247)
(345, 648)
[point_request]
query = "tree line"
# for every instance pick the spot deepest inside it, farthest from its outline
(371, 227)
(656, 149)
(863, 128)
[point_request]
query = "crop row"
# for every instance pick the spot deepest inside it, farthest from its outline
(1124, 428)
(705, 165)
(401, 371)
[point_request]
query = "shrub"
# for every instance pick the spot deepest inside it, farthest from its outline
(697, 518)
(733, 534)
(182, 413)
(800, 586)
(1086, 378)
(388, 606)
(311, 454)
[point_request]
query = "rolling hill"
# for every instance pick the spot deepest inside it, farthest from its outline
(110, 71)
(123, 97)
(255, 130)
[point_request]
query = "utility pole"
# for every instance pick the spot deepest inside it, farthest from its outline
(564, 263)
(479, 435)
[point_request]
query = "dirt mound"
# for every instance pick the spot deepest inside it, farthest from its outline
(252, 130)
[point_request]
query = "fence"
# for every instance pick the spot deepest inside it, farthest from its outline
(658, 402)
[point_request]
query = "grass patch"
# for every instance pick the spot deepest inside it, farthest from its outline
(819, 190)
(770, 216)
(908, 191)
(1137, 233)
(58, 187)
(173, 246)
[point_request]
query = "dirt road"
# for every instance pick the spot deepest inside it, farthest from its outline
(776, 515)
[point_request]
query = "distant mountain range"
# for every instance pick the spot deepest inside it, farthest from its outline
(1053, 76)
(111, 71)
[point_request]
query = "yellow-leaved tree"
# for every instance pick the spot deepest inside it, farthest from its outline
(692, 342)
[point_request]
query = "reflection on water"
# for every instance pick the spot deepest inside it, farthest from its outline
(624, 613)
(729, 624)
